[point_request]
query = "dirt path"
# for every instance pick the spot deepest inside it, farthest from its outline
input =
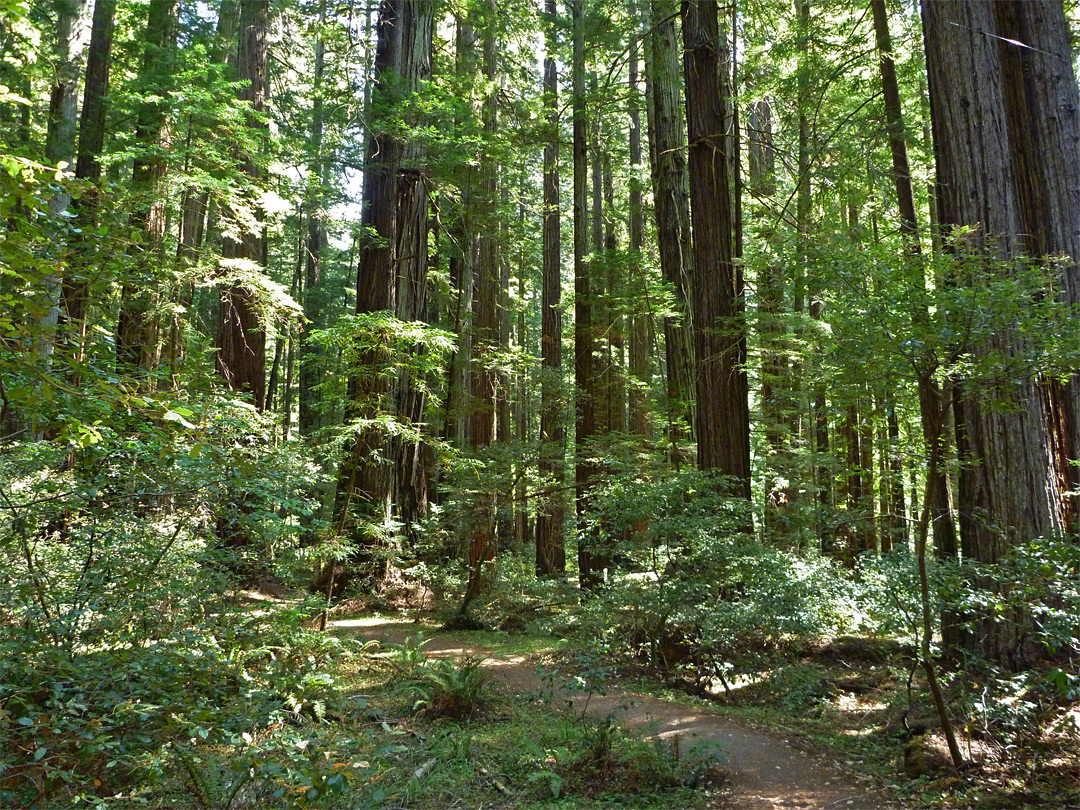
(767, 773)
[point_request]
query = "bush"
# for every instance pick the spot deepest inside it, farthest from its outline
(454, 689)
(694, 591)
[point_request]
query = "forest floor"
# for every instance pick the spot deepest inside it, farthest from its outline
(763, 770)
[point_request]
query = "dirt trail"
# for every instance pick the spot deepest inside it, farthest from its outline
(767, 773)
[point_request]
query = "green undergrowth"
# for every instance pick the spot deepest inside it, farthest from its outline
(253, 711)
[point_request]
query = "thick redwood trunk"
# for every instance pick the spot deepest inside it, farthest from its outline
(667, 139)
(1043, 108)
(392, 266)
(716, 294)
(1008, 486)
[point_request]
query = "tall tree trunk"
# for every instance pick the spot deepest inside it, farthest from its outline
(1043, 108)
(667, 139)
(942, 520)
(585, 407)
(462, 262)
(76, 284)
(896, 526)
(640, 367)
(241, 357)
(392, 262)
(1008, 486)
(72, 37)
(483, 381)
(72, 33)
(550, 510)
(310, 354)
(716, 294)
(523, 535)
(615, 320)
(777, 404)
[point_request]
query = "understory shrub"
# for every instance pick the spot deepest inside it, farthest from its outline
(693, 590)
(122, 548)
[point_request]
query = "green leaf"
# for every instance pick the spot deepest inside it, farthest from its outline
(173, 416)
(39, 754)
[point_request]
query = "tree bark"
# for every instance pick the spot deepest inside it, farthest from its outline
(667, 139)
(550, 510)
(585, 407)
(1043, 108)
(311, 355)
(717, 296)
(1008, 486)
(483, 382)
(639, 365)
(392, 265)
(76, 284)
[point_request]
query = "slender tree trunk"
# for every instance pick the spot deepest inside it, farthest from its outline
(310, 354)
(777, 404)
(585, 407)
(943, 522)
(895, 533)
(550, 510)
(723, 421)
(615, 320)
(522, 413)
(76, 284)
(868, 536)
(640, 367)
(72, 37)
(483, 381)
(462, 263)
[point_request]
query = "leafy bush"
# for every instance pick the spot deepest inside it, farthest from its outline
(698, 593)
(449, 688)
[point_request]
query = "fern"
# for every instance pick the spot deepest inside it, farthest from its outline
(204, 772)
(449, 688)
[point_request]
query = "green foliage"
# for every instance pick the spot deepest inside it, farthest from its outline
(455, 689)
(1032, 588)
(701, 595)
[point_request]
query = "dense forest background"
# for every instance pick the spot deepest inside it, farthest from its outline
(718, 325)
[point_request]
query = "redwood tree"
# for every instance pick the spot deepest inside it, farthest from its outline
(716, 292)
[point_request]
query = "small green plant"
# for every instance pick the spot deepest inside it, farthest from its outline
(449, 688)
(205, 773)
(409, 657)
